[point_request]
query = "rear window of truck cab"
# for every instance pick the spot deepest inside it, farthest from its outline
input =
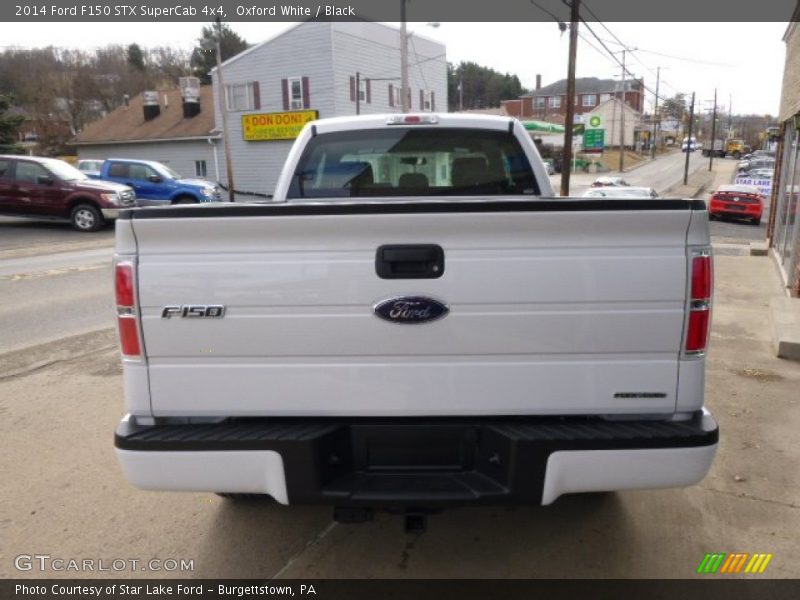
(416, 161)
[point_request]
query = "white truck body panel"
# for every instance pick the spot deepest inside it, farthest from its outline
(551, 313)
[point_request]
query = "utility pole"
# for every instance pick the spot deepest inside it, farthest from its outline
(730, 116)
(622, 120)
(461, 94)
(570, 116)
(403, 58)
(656, 120)
(688, 143)
(713, 132)
(223, 108)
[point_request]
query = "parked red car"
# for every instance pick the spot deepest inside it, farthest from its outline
(48, 188)
(737, 201)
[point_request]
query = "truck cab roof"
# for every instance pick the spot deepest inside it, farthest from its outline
(388, 120)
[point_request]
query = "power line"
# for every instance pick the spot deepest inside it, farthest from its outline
(632, 52)
(602, 43)
(691, 60)
(672, 56)
(626, 71)
(591, 12)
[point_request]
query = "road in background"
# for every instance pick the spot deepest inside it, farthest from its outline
(54, 282)
(48, 297)
(663, 172)
(20, 237)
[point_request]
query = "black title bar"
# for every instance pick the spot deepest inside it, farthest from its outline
(153, 11)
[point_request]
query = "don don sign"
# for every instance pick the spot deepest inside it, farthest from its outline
(275, 126)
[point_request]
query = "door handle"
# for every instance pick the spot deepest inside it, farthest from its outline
(409, 261)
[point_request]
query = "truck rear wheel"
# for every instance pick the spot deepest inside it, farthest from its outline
(86, 218)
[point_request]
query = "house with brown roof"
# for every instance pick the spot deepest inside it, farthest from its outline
(174, 127)
(549, 103)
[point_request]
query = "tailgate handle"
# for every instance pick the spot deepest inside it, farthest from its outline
(409, 261)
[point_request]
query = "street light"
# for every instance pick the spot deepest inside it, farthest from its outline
(213, 44)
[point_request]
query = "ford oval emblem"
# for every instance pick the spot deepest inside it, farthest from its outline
(410, 310)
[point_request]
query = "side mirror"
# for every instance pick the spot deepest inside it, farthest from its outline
(154, 179)
(44, 180)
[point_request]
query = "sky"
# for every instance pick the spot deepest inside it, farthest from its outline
(743, 61)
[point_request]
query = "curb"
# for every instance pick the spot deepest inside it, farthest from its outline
(784, 317)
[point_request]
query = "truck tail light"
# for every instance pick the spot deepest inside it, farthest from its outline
(701, 277)
(127, 309)
(700, 293)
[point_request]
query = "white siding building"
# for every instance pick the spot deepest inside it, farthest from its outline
(315, 66)
(187, 144)
(611, 114)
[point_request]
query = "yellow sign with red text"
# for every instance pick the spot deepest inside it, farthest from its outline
(265, 127)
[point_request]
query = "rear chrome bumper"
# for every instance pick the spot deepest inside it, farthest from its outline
(417, 462)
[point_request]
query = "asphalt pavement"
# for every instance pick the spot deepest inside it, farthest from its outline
(50, 296)
(660, 173)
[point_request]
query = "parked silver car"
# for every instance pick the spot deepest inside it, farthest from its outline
(621, 192)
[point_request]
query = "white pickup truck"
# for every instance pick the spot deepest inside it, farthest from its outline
(415, 322)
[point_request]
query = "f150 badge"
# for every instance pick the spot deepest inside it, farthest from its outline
(193, 311)
(410, 310)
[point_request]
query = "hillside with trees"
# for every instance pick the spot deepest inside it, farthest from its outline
(474, 86)
(63, 89)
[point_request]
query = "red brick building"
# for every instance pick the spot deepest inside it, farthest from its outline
(550, 102)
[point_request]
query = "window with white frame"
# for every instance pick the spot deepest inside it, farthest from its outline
(295, 93)
(538, 102)
(362, 89)
(200, 169)
(239, 96)
(397, 99)
(589, 99)
(427, 101)
(555, 102)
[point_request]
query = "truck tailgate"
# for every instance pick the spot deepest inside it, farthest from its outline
(567, 309)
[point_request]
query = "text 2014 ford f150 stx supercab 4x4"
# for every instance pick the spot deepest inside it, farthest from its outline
(415, 322)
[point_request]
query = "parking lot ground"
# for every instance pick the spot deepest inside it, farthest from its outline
(64, 494)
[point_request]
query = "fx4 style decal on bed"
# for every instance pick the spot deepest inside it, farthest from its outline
(193, 311)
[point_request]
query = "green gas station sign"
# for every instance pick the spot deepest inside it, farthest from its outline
(594, 140)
